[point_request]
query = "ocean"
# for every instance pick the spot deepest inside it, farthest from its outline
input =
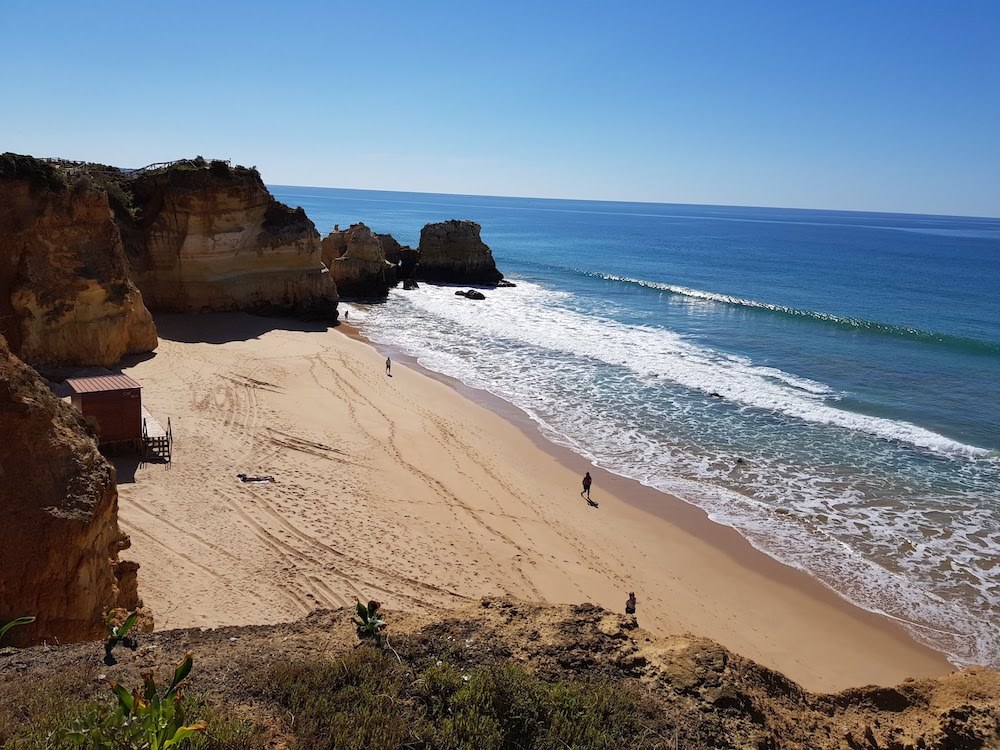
(825, 382)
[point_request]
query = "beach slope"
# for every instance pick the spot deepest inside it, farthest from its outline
(401, 489)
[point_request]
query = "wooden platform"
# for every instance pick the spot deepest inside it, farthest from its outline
(157, 442)
(153, 427)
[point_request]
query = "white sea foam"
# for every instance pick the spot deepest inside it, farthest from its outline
(813, 488)
(529, 314)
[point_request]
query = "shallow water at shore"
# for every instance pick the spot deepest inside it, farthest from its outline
(846, 432)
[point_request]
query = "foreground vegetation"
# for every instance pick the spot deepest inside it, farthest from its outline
(366, 699)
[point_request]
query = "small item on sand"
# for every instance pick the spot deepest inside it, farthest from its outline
(255, 478)
(630, 604)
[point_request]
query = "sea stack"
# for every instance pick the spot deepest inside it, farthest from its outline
(357, 262)
(453, 252)
(60, 535)
(65, 293)
(211, 237)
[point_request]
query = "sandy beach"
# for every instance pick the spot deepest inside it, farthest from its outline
(404, 490)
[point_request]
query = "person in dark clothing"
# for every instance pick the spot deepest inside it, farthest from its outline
(388, 367)
(587, 481)
(630, 604)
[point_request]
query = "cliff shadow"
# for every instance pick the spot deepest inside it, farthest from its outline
(224, 328)
(125, 465)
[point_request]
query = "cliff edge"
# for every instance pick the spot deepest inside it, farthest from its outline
(507, 673)
(212, 238)
(65, 294)
(59, 538)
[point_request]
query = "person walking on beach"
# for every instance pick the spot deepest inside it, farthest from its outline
(388, 367)
(587, 481)
(630, 604)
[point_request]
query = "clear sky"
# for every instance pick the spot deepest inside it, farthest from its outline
(870, 105)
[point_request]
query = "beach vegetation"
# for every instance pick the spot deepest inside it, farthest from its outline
(119, 624)
(369, 622)
(143, 718)
(4, 629)
(367, 699)
(40, 174)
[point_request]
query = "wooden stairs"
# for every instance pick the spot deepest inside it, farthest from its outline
(157, 443)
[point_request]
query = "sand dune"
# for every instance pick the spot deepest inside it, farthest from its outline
(401, 489)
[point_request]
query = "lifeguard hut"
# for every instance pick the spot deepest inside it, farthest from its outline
(115, 403)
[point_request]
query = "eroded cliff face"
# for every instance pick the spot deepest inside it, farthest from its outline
(357, 262)
(452, 251)
(65, 294)
(59, 538)
(403, 257)
(215, 239)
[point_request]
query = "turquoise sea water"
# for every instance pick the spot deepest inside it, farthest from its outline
(827, 383)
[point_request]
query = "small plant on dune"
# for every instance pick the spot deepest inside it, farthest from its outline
(369, 622)
(143, 718)
(119, 624)
(14, 624)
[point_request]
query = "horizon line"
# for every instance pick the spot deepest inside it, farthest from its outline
(643, 202)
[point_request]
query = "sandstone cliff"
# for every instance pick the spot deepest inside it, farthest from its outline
(213, 238)
(403, 257)
(59, 537)
(65, 294)
(357, 262)
(452, 251)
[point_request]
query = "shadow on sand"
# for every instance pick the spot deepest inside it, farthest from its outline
(223, 328)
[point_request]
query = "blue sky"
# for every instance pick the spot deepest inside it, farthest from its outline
(886, 106)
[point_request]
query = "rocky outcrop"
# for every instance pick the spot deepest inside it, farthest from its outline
(65, 294)
(403, 256)
(673, 691)
(59, 536)
(357, 262)
(213, 238)
(453, 252)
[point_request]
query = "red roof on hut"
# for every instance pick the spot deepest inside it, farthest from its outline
(99, 383)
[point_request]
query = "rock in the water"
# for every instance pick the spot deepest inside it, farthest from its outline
(59, 537)
(452, 251)
(470, 294)
(505, 283)
(410, 284)
(357, 262)
(213, 238)
(65, 294)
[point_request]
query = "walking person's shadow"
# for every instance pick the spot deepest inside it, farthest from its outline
(591, 503)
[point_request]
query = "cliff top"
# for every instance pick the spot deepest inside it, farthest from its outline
(500, 673)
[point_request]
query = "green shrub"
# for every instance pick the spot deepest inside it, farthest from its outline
(4, 629)
(119, 624)
(144, 719)
(40, 174)
(369, 622)
(369, 700)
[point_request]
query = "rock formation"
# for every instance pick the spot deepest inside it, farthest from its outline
(357, 262)
(213, 238)
(453, 252)
(403, 256)
(677, 691)
(59, 536)
(65, 294)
